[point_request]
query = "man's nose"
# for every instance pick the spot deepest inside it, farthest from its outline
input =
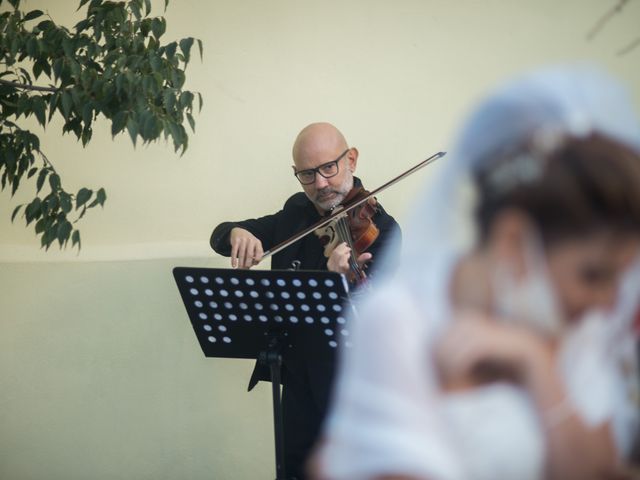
(320, 182)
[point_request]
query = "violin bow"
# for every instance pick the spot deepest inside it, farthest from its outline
(345, 209)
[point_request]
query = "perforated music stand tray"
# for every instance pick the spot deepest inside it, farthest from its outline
(265, 315)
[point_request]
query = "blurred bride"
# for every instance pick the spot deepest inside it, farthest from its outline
(503, 347)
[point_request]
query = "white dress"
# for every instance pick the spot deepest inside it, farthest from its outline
(389, 416)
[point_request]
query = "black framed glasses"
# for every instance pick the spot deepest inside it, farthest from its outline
(326, 170)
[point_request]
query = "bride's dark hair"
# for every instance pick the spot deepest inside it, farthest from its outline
(579, 187)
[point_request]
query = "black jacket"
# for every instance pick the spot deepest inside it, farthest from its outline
(297, 214)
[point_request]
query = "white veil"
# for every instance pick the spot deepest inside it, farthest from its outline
(557, 101)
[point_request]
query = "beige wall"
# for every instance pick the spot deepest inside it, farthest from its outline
(100, 375)
(101, 378)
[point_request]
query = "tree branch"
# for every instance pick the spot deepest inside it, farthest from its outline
(617, 8)
(628, 48)
(47, 161)
(25, 86)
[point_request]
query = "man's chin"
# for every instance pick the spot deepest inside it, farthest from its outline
(329, 202)
(326, 206)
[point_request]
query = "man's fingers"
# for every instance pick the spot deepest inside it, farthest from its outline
(234, 254)
(364, 258)
(339, 259)
(258, 253)
(243, 255)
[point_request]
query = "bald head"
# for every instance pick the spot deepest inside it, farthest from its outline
(318, 139)
(322, 149)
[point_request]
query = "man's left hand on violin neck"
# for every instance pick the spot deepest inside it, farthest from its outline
(339, 259)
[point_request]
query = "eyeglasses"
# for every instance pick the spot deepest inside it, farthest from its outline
(326, 170)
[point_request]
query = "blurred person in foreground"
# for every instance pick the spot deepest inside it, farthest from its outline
(503, 348)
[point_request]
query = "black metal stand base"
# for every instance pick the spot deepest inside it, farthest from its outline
(273, 358)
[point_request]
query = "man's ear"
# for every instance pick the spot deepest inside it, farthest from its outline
(508, 234)
(352, 158)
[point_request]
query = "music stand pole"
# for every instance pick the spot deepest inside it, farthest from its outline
(272, 358)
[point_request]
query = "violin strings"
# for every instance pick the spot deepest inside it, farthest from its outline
(345, 235)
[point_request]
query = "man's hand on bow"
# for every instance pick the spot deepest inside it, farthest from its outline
(246, 249)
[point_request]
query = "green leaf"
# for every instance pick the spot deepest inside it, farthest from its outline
(67, 46)
(118, 122)
(84, 194)
(64, 231)
(149, 126)
(101, 196)
(41, 178)
(156, 63)
(86, 135)
(169, 99)
(57, 68)
(185, 99)
(24, 106)
(33, 14)
(200, 102)
(53, 104)
(65, 202)
(16, 184)
(32, 47)
(145, 26)
(135, 9)
(33, 210)
(54, 182)
(132, 128)
(185, 46)
(87, 113)
(15, 212)
(75, 238)
(158, 27)
(175, 133)
(37, 69)
(83, 24)
(46, 25)
(41, 225)
(34, 141)
(170, 50)
(32, 172)
(51, 203)
(38, 106)
(67, 104)
(200, 48)
(192, 122)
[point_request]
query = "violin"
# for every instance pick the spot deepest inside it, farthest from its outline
(362, 235)
(355, 228)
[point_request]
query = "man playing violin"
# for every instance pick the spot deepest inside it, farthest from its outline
(324, 165)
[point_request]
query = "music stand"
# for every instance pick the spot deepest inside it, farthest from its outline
(265, 315)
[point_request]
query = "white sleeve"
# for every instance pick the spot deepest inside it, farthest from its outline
(384, 418)
(602, 378)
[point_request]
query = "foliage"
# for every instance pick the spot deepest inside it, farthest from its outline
(111, 64)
